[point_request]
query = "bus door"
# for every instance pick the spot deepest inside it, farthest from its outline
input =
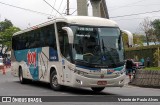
(66, 71)
(64, 48)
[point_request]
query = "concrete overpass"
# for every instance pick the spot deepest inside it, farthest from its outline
(99, 8)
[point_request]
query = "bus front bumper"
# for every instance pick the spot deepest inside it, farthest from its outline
(81, 81)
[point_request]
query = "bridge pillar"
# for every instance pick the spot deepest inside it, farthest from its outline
(96, 7)
(82, 8)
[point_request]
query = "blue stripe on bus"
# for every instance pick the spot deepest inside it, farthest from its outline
(30, 57)
(89, 68)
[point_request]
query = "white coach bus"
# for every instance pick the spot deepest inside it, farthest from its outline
(75, 51)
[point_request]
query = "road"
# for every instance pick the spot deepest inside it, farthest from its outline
(10, 86)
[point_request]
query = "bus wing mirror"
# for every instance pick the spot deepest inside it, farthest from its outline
(69, 33)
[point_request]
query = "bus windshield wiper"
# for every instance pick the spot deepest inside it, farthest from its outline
(103, 47)
(79, 60)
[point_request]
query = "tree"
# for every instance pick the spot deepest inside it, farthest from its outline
(5, 24)
(156, 56)
(156, 26)
(145, 26)
(7, 30)
(137, 39)
(152, 34)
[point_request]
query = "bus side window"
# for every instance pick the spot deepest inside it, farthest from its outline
(64, 44)
(35, 38)
(63, 40)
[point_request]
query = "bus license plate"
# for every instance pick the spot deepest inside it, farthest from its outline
(101, 82)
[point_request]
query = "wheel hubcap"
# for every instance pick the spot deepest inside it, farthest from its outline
(55, 81)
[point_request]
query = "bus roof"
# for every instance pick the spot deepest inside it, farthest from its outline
(79, 20)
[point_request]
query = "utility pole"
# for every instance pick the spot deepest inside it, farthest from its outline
(67, 7)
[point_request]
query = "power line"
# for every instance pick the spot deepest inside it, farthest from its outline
(52, 7)
(127, 4)
(64, 8)
(135, 14)
(25, 9)
(73, 12)
(135, 18)
(59, 6)
(54, 3)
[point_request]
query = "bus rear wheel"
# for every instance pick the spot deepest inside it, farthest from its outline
(54, 82)
(97, 89)
(21, 79)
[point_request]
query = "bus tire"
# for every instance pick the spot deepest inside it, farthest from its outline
(97, 89)
(21, 79)
(54, 81)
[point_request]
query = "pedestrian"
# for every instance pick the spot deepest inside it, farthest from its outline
(148, 62)
(142, 61)
(129, 68)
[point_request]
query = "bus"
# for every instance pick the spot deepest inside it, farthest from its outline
(74, 51)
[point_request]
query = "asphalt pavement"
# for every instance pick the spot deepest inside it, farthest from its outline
(10, 86)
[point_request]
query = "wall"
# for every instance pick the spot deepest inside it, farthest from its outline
(147, 78)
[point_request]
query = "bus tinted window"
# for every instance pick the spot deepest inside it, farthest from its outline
(41, 37)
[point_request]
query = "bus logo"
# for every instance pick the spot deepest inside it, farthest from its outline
(31, 57)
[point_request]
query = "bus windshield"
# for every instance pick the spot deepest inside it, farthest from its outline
(97, 46)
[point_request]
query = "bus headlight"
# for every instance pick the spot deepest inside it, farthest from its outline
(120, 72)
(80, 72)
(123, 70)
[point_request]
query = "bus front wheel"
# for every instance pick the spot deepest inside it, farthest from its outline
(54, 81)
(97, 89)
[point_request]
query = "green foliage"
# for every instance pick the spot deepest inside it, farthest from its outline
(137, 39)
(152, 68)
(142, 52)
(145, 26)
(156, 26)
(6, 31)
(142, 48)
(6, 36)
(5, 25)
(156, 56)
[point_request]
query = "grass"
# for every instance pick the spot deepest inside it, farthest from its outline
(152, 68)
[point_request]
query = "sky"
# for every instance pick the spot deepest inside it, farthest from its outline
(23, 18)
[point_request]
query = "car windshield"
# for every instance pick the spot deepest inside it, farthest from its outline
(97, 45)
